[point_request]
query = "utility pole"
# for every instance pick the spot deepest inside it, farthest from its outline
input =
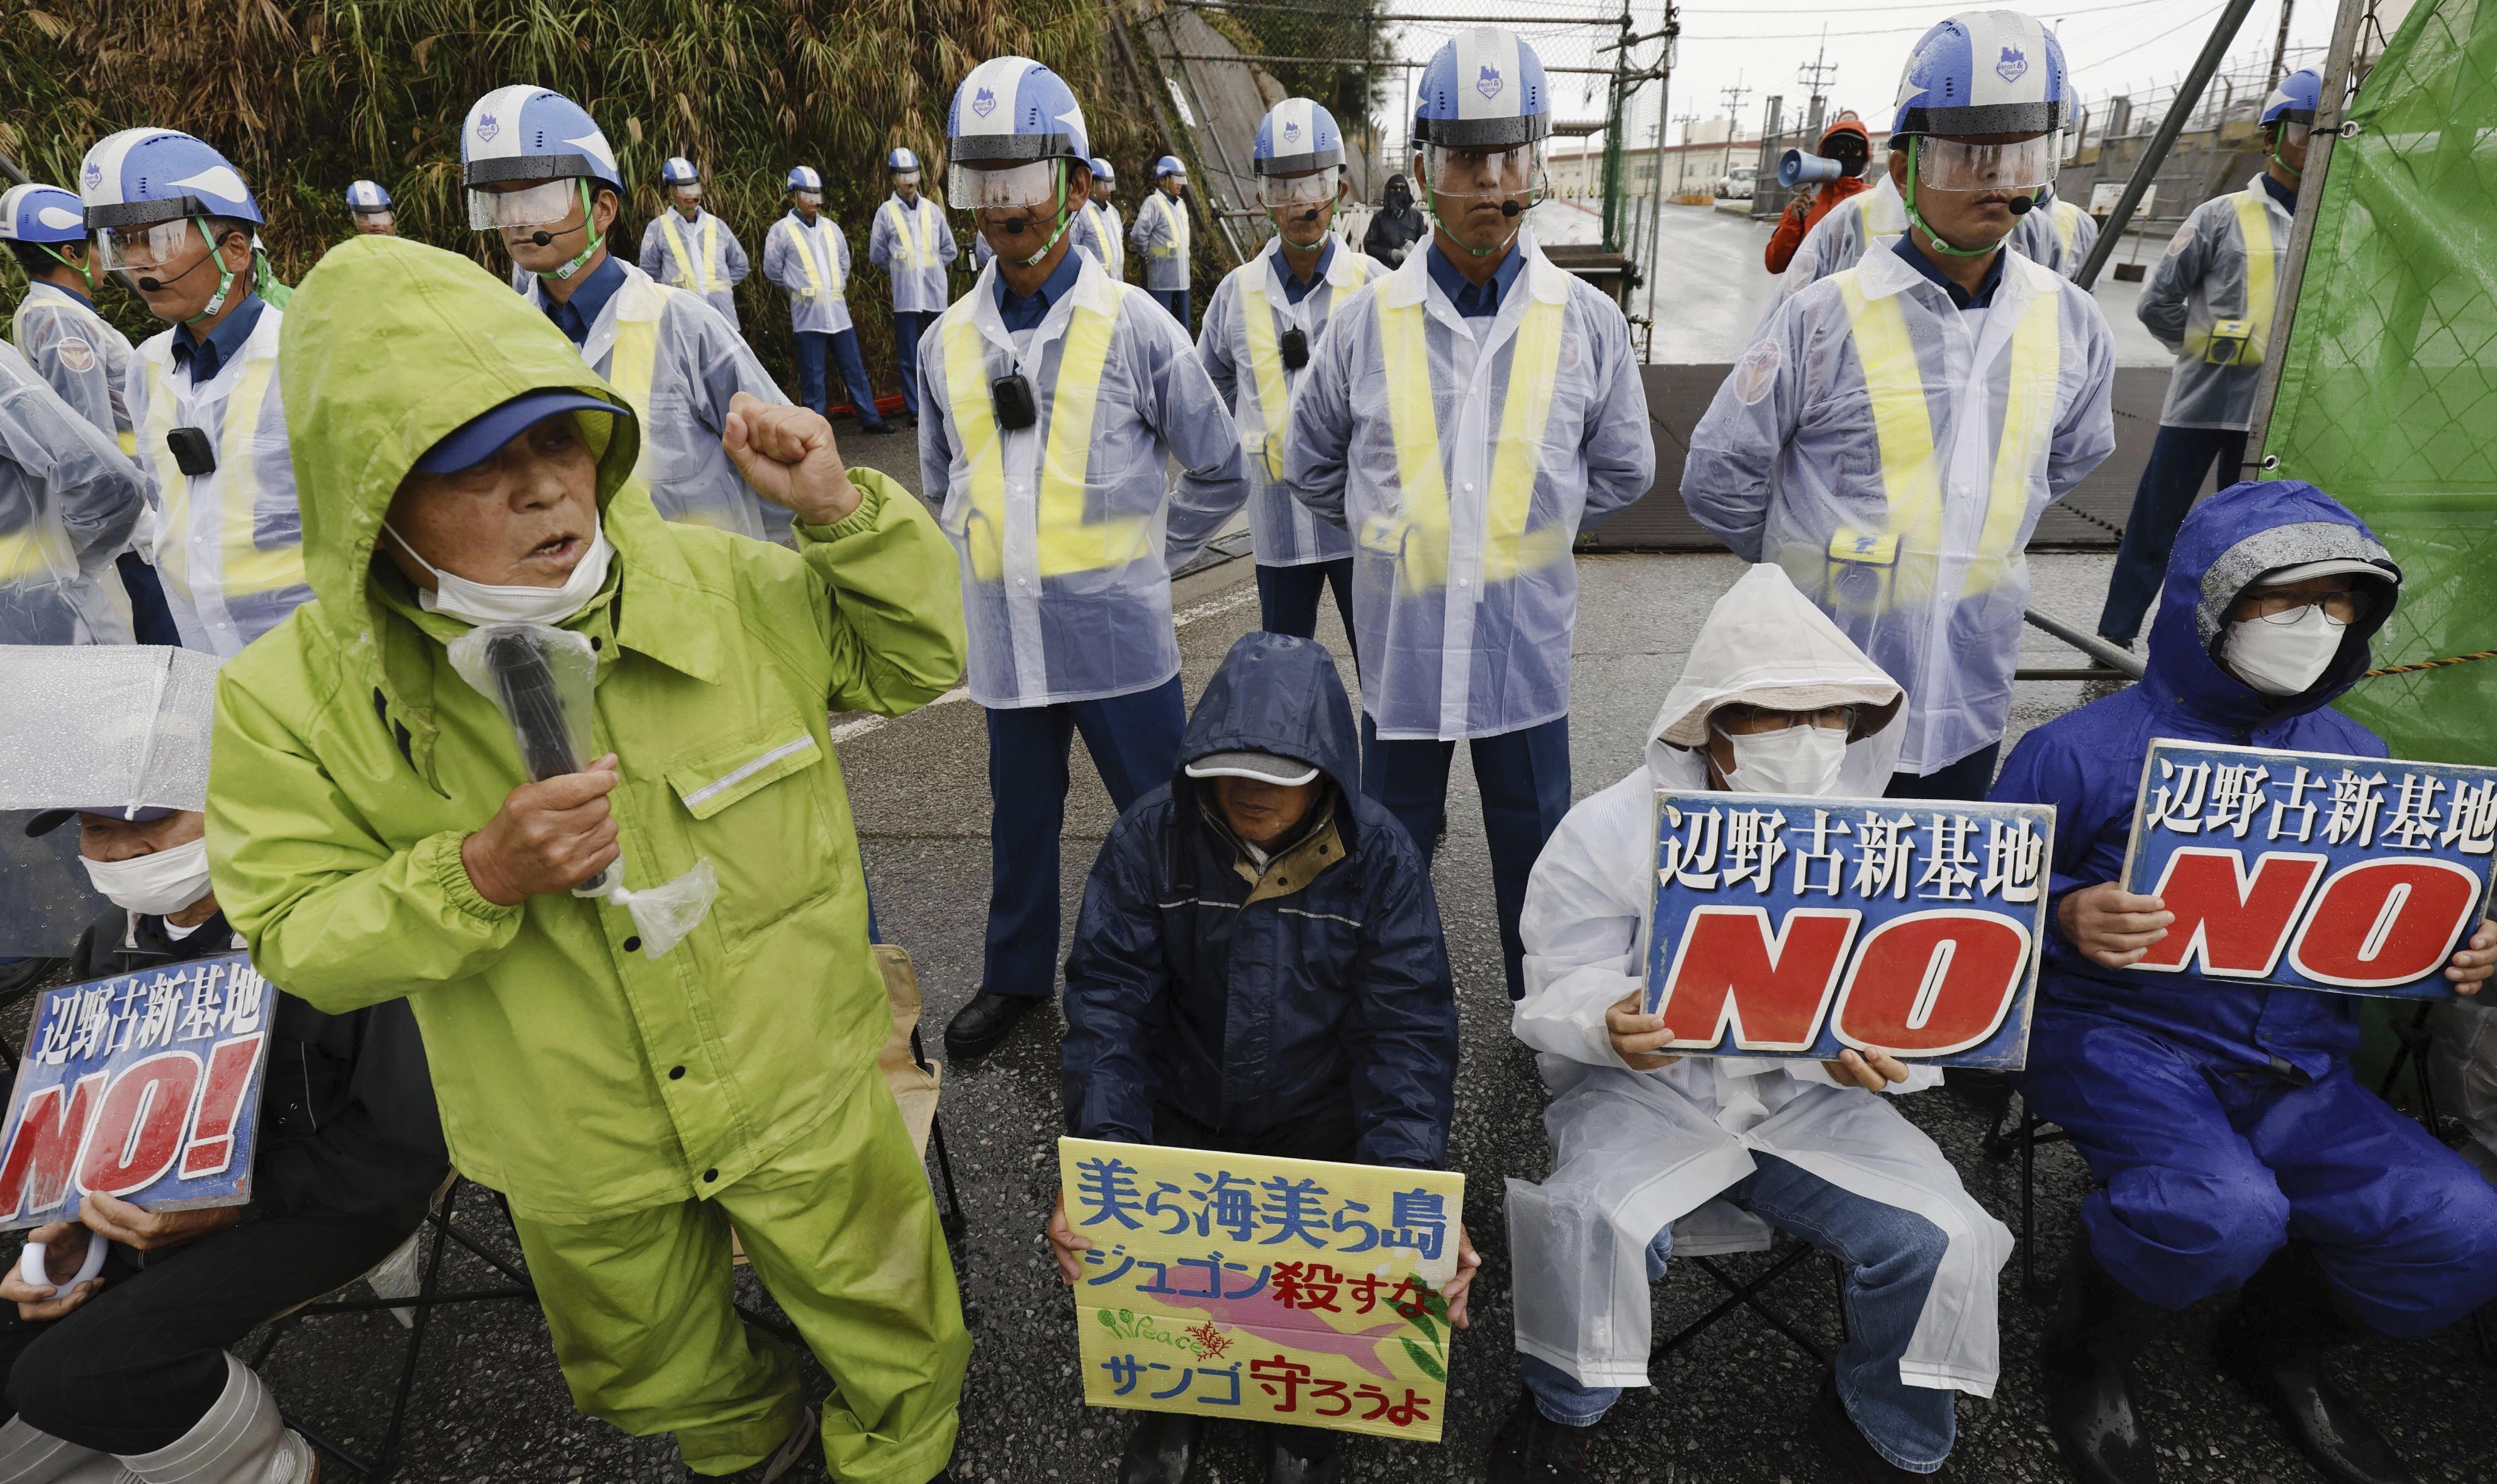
(1812, 78)
(1734, 97)
(1681, 175)
(2280, 48)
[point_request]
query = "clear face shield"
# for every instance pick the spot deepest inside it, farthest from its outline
(688, 195)
(1466, 173)
(906, 178)
(1316, 189)
(145, 250)
(542, 203)
(1955, 165)
(810, 200)
(374, 223)
(1026, 187)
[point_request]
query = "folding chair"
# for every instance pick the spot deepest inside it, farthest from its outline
(385, 1461)
(1720, 1229)
(914, 1078)
(2025, 1137)
(2416, 1038)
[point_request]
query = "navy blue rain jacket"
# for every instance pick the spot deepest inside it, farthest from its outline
(1243, 1017)
(2087, 763)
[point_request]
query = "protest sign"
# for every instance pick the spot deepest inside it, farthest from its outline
(1797, 928)
(1262, 1289)
(144, 1086)
(2312, 870)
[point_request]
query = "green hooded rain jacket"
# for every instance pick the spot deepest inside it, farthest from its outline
(575, 1073)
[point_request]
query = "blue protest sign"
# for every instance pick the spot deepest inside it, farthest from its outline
(144, 1086)
(1797, 928)
(2312, 870)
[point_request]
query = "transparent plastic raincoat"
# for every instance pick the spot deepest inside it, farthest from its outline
(1241, 341)
(1160, 236)
(2056, 233)
(702, 256)
(679, 364)
(812, 264)
(2211, 302)
(1068, 530)
(1893, 453)
(83, 359)
(68, 500)
(912, 244)
(1464, 485)
(1837, 243)
(1634, 1152)
(228, 542)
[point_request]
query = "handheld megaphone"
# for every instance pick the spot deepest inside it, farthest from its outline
(1796, 168)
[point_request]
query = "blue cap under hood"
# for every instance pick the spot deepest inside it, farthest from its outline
(1276, 694)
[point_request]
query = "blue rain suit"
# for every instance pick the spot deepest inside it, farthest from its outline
(1244, 1005)
(2223, 1119)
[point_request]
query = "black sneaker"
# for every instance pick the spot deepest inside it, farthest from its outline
(793, 1451)
(1847, 1445)
(1530, 1448)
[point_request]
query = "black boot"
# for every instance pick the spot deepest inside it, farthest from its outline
(1301, 1455)
(1846, 1444)
(2273, 1345)
(1531, 1448)
(986, 1020)
(1158, 1450)
(2087, 1356)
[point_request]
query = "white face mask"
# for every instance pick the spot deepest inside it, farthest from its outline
(484, 603)
(1795, 761)
(157, 883)
(2284, 660)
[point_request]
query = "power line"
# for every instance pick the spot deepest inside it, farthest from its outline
(1900, 30)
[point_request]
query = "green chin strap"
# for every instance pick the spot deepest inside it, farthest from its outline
(1066, 219)
(81, 270)
(1431, 209)
(589, 244)
(225, 275)
(2277, 158)
(1917, 220)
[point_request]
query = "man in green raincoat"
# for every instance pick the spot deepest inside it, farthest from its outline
(373, 833)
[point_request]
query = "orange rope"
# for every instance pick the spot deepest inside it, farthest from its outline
(2431, 664)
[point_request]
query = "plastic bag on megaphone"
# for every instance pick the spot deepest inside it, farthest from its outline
(1796, 168)
(543, 679)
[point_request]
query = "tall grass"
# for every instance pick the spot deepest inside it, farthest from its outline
(309, 95)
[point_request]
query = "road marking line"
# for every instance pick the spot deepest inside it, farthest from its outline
(1212, 608)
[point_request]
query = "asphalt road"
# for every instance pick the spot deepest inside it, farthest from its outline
(489, 1404)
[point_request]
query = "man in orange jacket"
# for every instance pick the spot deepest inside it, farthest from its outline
(1846, 142)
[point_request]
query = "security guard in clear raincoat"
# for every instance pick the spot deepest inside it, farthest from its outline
(1463, 417)
(1892, 434)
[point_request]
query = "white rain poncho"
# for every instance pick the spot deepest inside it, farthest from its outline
(82, 358)
(912, 244)
(120, 728)
(1069, 529)
(1244, 356)
(230, 542)
(1160, 236)
(1106, 232)
(812, 264)
(1464, 485)
(1901, 505)
(2212, 302)
(1634, 1152)
(677, 363)
(68, 501)
(1838, 242)
(2058, 233)
(702, 256)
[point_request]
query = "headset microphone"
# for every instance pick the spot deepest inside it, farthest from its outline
(1510, 208)
(2022, 206)
(545, 239)
(160, 285)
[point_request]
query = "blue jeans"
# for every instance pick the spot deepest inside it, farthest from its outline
(1969, 779)
(2169, 481)
(1892, 1256)
(1134, 741)
(1287, 599)
(1176, 302)
(908, 328)
(841, 346)
(1524, 778)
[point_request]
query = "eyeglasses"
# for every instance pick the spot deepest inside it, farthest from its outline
(1740, 721)
(2340, 605)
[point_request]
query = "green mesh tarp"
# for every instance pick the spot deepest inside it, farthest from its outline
(2389, 386)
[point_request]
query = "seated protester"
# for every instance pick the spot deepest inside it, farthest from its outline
(2233, 1146)
(1773, 700)
(1259, 969)
(128, 1371)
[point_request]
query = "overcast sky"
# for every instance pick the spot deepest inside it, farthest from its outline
(2112, 45)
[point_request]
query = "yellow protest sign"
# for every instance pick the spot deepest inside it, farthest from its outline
(1261, 1289)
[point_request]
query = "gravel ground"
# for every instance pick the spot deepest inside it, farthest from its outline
(489, 1404)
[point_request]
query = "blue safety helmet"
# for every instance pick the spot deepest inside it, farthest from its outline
(1012, 110)
(901, 160)
(2296, 99)
(1168, 165)
(679, 170)
(802, 178)
(41, 213)
(1983, 72)
(1483, 89)
(524, 133)
(138, 177)
(1104, 176)
(1297, 135)
(365, 196)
